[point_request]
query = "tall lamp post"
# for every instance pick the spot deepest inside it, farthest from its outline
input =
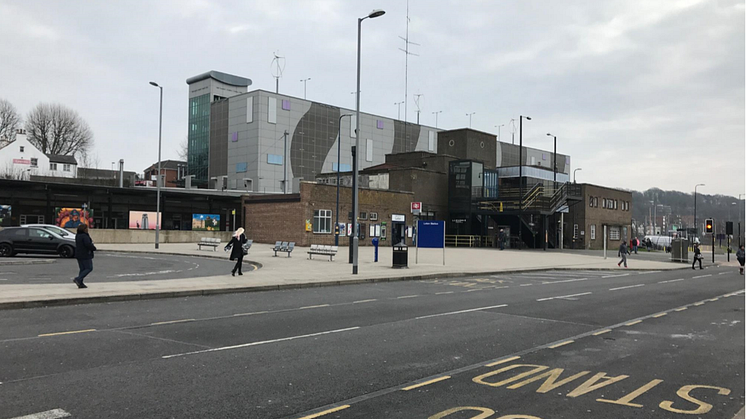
(520, 179)
(469, 115)
(304, 86)
(498, 131)
(355, 239)
(158, 178)
(696, 227)
(436, 117)
(554, 159)
(574, 178)
(339, 157)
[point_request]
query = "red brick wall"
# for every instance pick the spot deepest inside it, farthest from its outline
(268, 222)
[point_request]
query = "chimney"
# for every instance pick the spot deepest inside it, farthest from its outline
(121, 173)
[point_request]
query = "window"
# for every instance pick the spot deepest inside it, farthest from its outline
(574, 231)
(368, 150)
(363, 215)
(52, 166)
(21, 149)
(285, 105)
(65, 167)
(373, 216)
(272, 110)
(234, 137)
(36, 232)
(322, 221)
(613, 233)
(379, 124)
(616, 204)
(431, 141)
(604, 202)
(593, 232)
(595, 202)
(241, 167)
(342, 167)
(590, 201)
(34, 162)
(249, 110)
(274, 159)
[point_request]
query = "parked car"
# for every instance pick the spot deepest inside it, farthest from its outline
(54, 229)
(34, 240)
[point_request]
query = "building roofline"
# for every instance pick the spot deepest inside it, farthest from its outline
(229, 79)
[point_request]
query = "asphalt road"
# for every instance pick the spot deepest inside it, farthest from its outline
(114, 267)
(556, 344)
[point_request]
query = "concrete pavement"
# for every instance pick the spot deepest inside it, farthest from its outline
(297, 271)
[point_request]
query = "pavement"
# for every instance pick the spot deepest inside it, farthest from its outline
(298, 271)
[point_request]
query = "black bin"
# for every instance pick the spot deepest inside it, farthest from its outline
(401, 256)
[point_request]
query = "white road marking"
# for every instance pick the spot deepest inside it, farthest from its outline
(701, 276)
(364, 301)
(316, 306)
(564, 296)
(3, 279)
(168, 271)
(526, 285)
(721, 273)
(650, 272)
(565, 280)
(614, 276)
(460, 311)
(628, 286)
(446, 292)
(407, 296)
(671, 280)
(49, 414)
(246, 345)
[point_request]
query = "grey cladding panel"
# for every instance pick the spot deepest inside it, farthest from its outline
(312, 139)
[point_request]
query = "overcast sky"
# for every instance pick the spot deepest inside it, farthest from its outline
(639, 93)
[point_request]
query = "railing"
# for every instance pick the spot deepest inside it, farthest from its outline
(464, 240)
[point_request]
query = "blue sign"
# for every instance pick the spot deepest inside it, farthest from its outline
(431, 234)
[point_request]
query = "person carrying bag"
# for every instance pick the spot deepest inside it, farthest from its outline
(238, 251)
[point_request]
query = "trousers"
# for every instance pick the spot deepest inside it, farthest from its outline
(239, 263)
(86, 267)
(695, 261)
(624, 259)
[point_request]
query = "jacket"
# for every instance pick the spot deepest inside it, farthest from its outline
(740, 254)
(236, 245)
(622, 250)
(84, 247)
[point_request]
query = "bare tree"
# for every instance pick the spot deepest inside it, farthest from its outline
(87, 159)
(10, 120)
(57, 129)
(183, 150)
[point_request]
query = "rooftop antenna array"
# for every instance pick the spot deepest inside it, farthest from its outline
(407, 43)
(417, 103)
(277, 67)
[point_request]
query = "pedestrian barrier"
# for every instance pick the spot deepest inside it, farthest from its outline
(209, 242)
(322, 250)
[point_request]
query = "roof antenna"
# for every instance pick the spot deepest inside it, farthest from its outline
(277, 67)
(406, 73)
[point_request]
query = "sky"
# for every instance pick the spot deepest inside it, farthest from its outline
(639, 93)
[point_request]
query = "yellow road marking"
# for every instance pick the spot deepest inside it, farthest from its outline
(502, 361)
(172, 321)
(557, 345)
(326, 412)
(660, 315)
(680, 309)
(434, 380)
(633, 323)
(601, 332)
(67, 333)
(320, 305)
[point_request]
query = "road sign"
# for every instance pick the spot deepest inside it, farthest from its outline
(416, 207)
(431, 234)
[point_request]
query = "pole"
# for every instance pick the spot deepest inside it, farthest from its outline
(339, 157)
(562, 231)
(520, 181)
(158, 181)
(604, 241)
(355, 239)
(554, 162)
(285, 165)
(713, 243)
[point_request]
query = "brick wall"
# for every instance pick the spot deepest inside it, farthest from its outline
(617, 215)
(272, 218)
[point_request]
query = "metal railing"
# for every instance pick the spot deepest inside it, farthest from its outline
(465, 240)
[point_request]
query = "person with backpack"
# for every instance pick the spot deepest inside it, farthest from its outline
(84, 249)
(237, 250)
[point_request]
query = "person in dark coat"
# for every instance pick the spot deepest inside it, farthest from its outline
(623, 252)
(84, 249)
(236, 246)
(697, 256)
(740, 256)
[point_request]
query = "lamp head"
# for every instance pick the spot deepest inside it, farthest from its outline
(528, 117)
(376, 13)
(548, 134)
(152, 83)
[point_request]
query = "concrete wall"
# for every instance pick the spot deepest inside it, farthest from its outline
(148, 236)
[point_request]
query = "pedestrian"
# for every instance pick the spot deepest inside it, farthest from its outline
(236, 248)
(501, 239)
(740, 257)
(623, 252)
(697, 256)
(84, 249)
(635, 243)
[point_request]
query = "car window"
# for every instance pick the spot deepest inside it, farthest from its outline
(14, 232)
(57, 230)
(36, 232)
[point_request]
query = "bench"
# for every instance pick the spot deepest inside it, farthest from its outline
(284, 247)
(208, 241)
(322, 250)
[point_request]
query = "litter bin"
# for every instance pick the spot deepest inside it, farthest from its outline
(401, 256)
(680, 250)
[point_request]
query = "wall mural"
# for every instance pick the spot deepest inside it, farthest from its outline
(73, 217)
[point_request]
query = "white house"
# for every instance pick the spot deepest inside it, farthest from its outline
(20, 159)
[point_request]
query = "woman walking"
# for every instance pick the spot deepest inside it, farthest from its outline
(697, 256)
(84, 249)
(236, 246)
(740, 256)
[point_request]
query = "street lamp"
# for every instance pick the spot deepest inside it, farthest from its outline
(574, 180)
(498, 131)
(398, 112)
(355, 239)
(436, 117)
(469, 115)
(520, 178)
(158, 179)
(339, 157)
(554, 159)
(304, 86)
(696, 227)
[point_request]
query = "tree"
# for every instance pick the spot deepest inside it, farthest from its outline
(57, 129)
(10, 120)
(183, 150)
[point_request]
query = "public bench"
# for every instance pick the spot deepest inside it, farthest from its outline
(209, 242)
(284, 247)
(322, 250)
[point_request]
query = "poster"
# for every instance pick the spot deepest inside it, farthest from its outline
(5, 215)
(142, 220)
(205, 222)
(73, 217)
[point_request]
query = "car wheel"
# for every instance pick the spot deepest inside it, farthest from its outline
(6, 250)
(66, 252)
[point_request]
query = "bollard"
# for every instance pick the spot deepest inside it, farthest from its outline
(375, 249)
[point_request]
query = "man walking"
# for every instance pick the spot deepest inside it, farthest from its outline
(697, 256)
(740, 256)
(635, 243)
(501, 239)
(623, 252)
(84, 249)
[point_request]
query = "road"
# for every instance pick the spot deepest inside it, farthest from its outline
(113, 267)
(555, 344)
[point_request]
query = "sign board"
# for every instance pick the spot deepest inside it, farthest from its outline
(401, 218)
(416, 207)
(21, 161)
(431, 234)
(349, 229)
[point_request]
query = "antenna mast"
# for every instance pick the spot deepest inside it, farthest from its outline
(417, 103)
(277, 67)
(406, 73)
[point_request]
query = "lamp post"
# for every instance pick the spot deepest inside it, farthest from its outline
(339, 156)
(740, 206)
(304, 86)
(469, 115)
(554, 159)
(436, 117)
(520, 178)
(696, 227)
(398, 112)
(158, 179)
(355, 239)
(498, 131)
(574, 178)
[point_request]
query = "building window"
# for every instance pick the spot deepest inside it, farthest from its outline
(234, 137)
(595, 202)
(22, 149)
(604, 203)
(34, 162)
(613, 233)
(373, 216)
(342, 167)
(274, 159)
(249, 110)
(53, 166)
(241, 167)
(322, 221)
(574, 231)
(593, 232)
(368, 150)
(272, 110)
(285, 105)
(379, 124)
(363, 215)
(65, 167)
(590, 201)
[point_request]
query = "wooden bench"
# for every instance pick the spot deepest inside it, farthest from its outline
(208, 241)
(322, 250)
(284, 247)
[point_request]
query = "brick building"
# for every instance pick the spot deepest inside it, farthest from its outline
(308, 217)
(171, 170)
(601, 206)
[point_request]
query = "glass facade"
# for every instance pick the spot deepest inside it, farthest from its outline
(199, 137)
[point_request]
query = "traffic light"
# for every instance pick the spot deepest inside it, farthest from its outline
(708, 225)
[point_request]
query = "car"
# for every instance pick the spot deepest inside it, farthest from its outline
(53, 228)
(34, 240)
